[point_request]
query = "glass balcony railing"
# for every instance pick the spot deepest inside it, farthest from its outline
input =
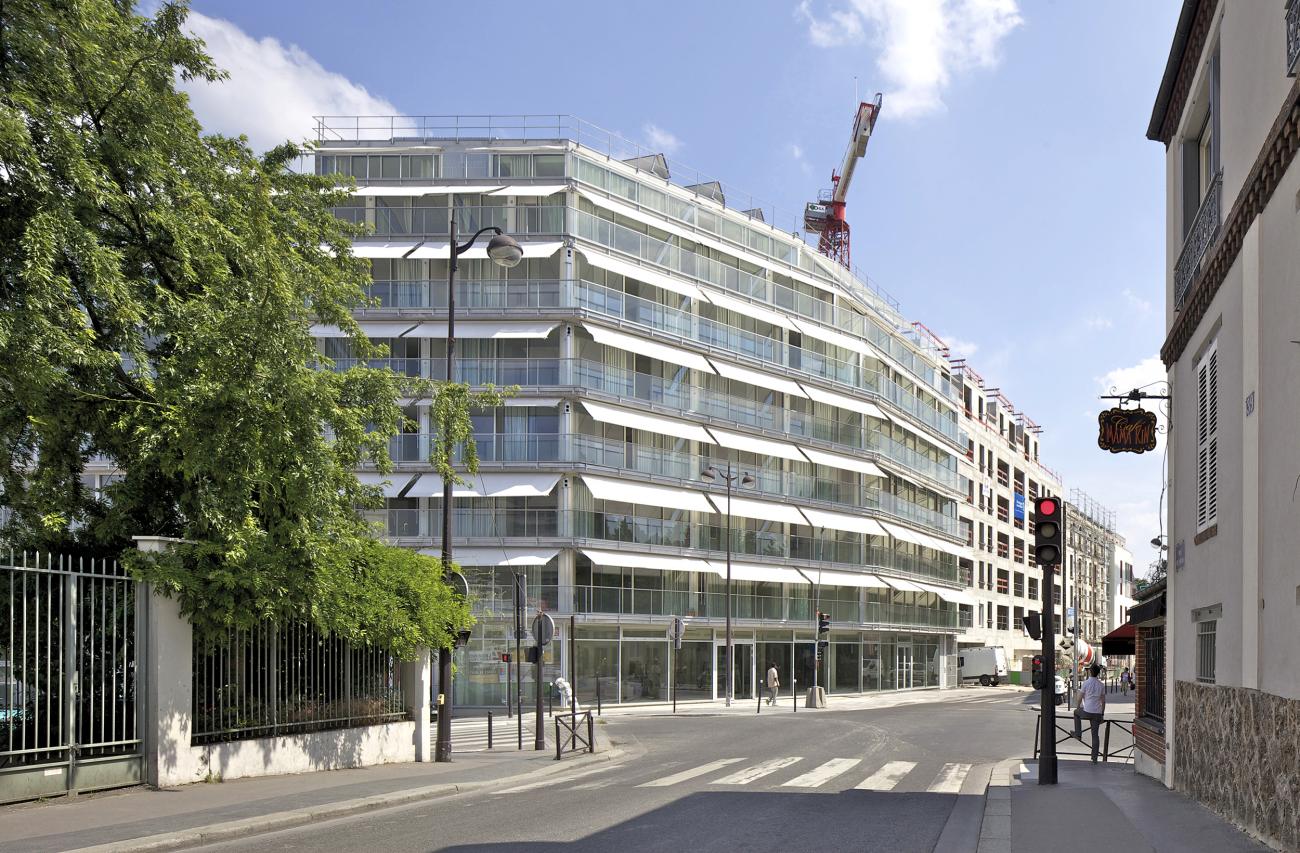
(476, 523)
(421, 221)
(653, 389)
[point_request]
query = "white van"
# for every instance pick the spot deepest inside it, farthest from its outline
(988, 665)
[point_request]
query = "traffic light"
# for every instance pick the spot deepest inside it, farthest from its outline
(1049, 525)
(1033, 625)
(823, 623)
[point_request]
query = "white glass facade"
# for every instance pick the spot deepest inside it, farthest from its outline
(654, 333)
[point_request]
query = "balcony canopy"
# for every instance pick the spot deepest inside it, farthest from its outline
(647, 494)
(648, 348)
(511, 485)
(647, 421)
(498, 556)
(477, 329)
(640, 273)
(633, 560)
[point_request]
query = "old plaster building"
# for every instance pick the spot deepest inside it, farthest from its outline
(1228, 114)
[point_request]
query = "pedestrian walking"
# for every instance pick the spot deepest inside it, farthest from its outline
(773, 682)
(1092, 707)
(1125, 678)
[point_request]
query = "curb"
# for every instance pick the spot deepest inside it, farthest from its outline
(229, 830)
(995, 831)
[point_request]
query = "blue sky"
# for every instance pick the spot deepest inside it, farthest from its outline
(1009, 200)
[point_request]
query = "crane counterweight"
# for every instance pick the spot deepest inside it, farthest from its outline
(826, 215)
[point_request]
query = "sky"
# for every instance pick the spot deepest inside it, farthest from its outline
(1009, 199)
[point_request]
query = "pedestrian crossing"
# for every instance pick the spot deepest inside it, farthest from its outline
(828, 774)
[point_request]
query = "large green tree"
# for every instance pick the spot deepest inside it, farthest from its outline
(157, 288)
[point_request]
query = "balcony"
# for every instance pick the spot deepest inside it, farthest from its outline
(1202, 234)
(1292, 38)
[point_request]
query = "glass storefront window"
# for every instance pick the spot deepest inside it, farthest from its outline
(844, 665)
(645, 670)
(693, 665)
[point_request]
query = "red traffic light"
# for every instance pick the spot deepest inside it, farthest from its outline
(1046, 506)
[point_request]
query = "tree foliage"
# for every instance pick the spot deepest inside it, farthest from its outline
(157, 288)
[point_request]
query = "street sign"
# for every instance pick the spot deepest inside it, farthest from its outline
(459, 584)
(543, 628)
(1069, 613)
(676, 630)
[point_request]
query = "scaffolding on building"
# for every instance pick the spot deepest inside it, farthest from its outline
(1093, 509)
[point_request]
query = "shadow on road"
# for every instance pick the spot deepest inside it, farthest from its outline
(760, 821)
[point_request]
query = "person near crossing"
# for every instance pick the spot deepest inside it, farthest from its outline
(1092, 707)
(773, 682)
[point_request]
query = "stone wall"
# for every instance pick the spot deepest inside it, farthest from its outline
(1238, 752)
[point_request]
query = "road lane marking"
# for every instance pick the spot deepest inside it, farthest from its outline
(887, 777)
(949, 779)
(821, 775)
(757, 771)
(555, 783)
(685, 775)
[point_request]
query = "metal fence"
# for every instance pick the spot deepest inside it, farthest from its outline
(68, 690)
(288, 679)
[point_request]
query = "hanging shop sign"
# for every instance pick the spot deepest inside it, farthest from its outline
(1126, 430)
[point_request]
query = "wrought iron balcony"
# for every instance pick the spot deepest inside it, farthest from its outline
(1204, 230)
(1292, 37)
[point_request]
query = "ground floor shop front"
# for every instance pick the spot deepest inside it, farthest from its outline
(625, 663)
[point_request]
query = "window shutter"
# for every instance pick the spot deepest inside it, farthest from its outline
(1207, 440)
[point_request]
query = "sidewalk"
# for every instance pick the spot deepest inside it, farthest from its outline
(175, 818)
(1099, 807)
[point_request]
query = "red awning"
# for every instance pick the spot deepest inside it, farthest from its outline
(1121, 641)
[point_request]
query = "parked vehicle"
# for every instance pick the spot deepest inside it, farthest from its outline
(988, 665)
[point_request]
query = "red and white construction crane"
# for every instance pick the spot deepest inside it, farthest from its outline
(826, 215)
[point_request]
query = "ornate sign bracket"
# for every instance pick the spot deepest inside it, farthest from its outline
(1130, 430)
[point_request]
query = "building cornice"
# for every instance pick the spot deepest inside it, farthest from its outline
(1275, 157)
(1184, 54)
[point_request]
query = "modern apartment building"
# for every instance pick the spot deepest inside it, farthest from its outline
(1228, 113)
(1003, 476)
(659, 326)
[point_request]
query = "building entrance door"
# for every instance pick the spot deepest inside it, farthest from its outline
(903, 667)
(744, 669)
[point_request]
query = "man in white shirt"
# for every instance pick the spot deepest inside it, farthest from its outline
(773, 682)
(1092, 707)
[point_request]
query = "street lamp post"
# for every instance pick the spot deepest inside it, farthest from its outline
(505, 251)
(710, 475)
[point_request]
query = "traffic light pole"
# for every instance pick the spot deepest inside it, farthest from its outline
(1047, 732)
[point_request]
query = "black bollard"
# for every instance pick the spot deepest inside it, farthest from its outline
(489, 729)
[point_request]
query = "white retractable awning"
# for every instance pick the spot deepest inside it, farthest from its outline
(660, 222)
(478, 329)
(903, 534)
(844, 463)
(755, 572)
(644, 420)
(512, 485)
(754, 377)
(902, 585)
(652, 349)
(371, 329)
(830, 336)
(755, 444)
(843, 401)
(464, 556)
(648, 494)
(518, 149)
(533, 191)
(544, 402)
(633, 560)
(425, 189)
(858, 579)
(940, 545)
(392, 484)
(759, 510)
(383, 249)
(842, 521)
(645, 274)
(442, 251)
(749, 309)
(541, 249)
(955, 596)
(900, 419)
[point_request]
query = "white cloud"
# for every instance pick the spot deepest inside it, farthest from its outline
(1098, 322)
(797, 152)
(960, 348)
(274, 89)
(921, 43)
(1137, 303)
(660, 139)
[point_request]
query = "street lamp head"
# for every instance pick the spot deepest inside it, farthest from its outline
(505, 251)
(709, 474)
(1158, 542)
(746, 480)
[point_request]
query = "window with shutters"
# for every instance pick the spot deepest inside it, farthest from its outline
(1207, 439)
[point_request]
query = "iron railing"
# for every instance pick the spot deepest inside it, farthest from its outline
(1292, 37)
(68, 692)
(1123, 751)
(288, 679)
(1204, 230)
(574, 733)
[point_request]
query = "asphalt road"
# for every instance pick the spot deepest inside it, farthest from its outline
(885, 779)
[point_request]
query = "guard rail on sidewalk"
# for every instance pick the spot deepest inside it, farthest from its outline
(1124, 752)
(569, 733)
